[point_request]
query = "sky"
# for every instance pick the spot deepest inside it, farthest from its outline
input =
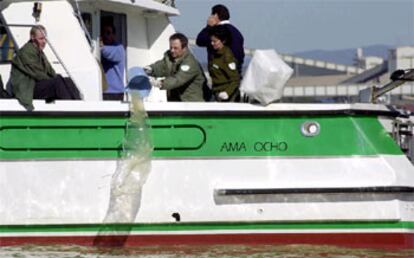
(291, 26)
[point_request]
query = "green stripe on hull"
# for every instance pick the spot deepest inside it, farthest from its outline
(194, 137)
(205, 227)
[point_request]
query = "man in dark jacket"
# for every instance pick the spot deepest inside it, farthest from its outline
(220, 16)
(32, 76)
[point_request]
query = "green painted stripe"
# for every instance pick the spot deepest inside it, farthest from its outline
(281, 136)
(205, 227)
(195, 137)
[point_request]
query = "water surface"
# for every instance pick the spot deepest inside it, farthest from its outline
(285, 251)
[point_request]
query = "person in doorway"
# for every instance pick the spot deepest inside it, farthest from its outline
(183, 77)
(32, 76)
(223, 66)
(220, 15)
(113, 63)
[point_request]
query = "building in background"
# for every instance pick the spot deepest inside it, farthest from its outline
(321, 81)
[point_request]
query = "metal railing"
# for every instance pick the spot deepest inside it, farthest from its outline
(167, 2)
(55, 53)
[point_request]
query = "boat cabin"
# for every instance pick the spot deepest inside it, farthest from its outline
(73, 34)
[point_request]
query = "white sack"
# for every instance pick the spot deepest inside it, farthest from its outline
(266, 77)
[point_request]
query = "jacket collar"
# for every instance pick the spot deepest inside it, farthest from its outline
(224, 22)
(220, 51)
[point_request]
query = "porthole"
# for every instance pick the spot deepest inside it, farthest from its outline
(310, 129)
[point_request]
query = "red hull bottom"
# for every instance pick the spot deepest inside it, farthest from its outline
(360, 240)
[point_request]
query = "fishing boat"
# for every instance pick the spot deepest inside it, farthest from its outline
(218, 173)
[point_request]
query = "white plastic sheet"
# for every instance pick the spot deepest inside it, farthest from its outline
(265, 77)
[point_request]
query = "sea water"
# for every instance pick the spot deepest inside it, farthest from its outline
(281, 251)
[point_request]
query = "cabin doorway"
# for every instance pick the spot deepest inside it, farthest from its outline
(118, 21)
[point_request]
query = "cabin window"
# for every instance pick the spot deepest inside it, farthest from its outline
(86, 24)
(118, 20)
(87, 21)
(7, 46)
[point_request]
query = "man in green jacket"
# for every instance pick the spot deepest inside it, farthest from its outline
(32, 76)
(183, 79)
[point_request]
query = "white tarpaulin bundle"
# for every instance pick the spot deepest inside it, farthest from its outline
(265, 77)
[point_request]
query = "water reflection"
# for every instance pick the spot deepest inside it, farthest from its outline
(286, 251)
